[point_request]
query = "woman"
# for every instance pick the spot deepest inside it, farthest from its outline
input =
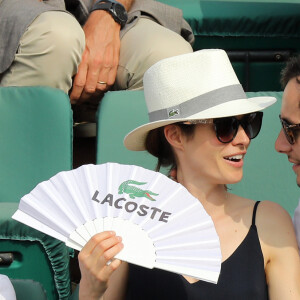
(200, 125)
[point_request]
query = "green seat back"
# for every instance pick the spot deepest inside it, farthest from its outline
(35, 144)
(118, 113)
(35, 138)
(28, 289)
(267, 174)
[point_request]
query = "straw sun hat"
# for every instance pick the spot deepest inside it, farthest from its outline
(198, 85)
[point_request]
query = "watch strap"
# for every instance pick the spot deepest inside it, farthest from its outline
(102, 5)
(109, 6)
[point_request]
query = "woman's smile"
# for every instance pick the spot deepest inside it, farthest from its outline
(236, 160)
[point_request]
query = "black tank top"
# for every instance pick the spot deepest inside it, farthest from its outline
(242, 277)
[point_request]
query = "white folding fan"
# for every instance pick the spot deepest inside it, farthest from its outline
(161, 224)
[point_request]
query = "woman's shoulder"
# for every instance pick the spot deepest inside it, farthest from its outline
(268, 211)
(272, 213)
(274, 225)
(269, 215)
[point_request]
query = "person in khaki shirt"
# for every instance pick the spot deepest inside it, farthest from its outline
(85, 48)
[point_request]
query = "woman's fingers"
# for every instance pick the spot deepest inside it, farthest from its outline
(97, 263)
(95, 240)
(107, 250)
(100, 249)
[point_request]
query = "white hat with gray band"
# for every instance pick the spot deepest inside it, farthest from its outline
(198, 85)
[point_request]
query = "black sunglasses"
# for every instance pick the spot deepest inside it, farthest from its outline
(227, 128)
(290, 130)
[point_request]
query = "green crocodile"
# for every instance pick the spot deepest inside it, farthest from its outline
(173, 112)
(134, 191)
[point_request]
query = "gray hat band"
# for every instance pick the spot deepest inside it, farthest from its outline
(200, 103)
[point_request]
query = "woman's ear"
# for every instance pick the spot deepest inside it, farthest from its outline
(173, 135)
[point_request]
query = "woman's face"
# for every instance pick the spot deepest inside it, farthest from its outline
(203, 155)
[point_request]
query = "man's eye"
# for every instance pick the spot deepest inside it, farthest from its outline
(296, 133)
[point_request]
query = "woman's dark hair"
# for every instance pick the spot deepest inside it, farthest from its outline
(157, 145)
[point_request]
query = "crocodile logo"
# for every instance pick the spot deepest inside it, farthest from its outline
(173, 113)
(134, 191)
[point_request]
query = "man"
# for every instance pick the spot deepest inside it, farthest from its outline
(288, 141)
(41, 43)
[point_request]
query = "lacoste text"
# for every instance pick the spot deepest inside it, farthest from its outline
(133, 207)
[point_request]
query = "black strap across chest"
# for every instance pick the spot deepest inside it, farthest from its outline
(242, 277)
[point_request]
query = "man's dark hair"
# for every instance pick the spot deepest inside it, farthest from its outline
(291, 70)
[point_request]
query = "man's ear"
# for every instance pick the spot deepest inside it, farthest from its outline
(174, 136)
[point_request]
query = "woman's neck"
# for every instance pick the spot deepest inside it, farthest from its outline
(212, 196)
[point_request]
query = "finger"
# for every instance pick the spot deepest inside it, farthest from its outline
(112, 247)
(102, 86)
(103, 247)
(90, 98)
(95, 240)
(113, 70)
(104, 82)
(83, 98)
(111, 265)
(108, 270)
(103, 275)
(115, 264)
(79, 82)
(112, 76)
(91, 80)
(93, 76)
(107, 72)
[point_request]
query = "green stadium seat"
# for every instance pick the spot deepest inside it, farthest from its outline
(258, 35)
(35, 144)
(35, 138)
(28, 289)
(267, 174)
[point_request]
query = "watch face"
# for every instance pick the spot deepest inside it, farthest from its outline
(121, 13)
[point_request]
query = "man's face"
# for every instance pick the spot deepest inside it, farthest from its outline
(290, 112)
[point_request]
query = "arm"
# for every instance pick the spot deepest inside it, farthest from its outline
(101, 55)
(117, 284)
(297, 223)
(97, 277)
(282, 262)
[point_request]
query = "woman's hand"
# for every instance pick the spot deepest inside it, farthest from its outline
(97, 264)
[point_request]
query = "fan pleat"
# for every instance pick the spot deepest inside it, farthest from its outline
(40, 206)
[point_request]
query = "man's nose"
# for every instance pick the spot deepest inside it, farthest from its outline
(281, 144)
